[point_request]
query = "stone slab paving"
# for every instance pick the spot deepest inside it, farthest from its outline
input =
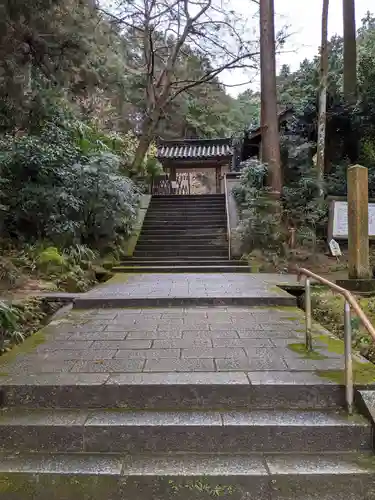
(106, 343)
(194, 285)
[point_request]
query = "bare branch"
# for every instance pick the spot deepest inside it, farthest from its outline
(182, 44)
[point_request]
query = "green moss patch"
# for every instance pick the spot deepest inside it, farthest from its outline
(328, 309)
(333, 345)
(365, 461)
(301, 350)
(293, 318)
(117, 278)
(28, 345)
(363, 373)
(67, 485)
(202, 486)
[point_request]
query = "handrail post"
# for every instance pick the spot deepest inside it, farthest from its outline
(308, 314)
(350, 303)
(228, 219)
(349, 385)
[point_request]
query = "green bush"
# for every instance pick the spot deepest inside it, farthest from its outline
(80, 254)
(18, 321)
(50, 260)
(263, 225)
(50, 190)
(10, 275)
(76, 279)
(259, 226)
(9, 326)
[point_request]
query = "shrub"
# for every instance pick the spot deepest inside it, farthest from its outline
(259, 226)
(80, 253)
(8, 326)
(10, 275)
(50, 260)
(109, 201)
(76, 279)
(50, 190)
(20, 320)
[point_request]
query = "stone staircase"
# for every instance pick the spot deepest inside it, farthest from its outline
(183, 436)
(183, 234)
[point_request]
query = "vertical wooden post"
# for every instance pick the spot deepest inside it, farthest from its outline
(172, 174)
(218, 184)
(358, 234)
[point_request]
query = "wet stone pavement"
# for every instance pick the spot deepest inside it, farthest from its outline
(193, 285)
(104, 343)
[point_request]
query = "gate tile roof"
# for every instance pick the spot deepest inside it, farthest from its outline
(189, 149)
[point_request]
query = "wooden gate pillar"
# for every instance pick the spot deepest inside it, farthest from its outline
(172, 175)
(218, 180)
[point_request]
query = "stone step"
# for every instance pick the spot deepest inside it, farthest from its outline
(117, 301)
(148, 260)
(200, 207)
(149, 238)
(172, 245)
(195, 207)
(172, 239)
(110, 431)
(175, 249)
(186, 224)
(182, 217)
(288, 476)
(194, 211)
(191, 210)
(190, 207)
(181, 269)
(187, 220)
(182, 211)
(203, 219)
(155, 230)
(167, 391)
(197, 262)
(214, 252)
(182, 233)
(188, 198)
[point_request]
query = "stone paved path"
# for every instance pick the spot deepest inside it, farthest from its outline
(194, 285)
(105, 343)
(188, 285)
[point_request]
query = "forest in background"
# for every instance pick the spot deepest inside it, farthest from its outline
(73, 99)
(349, 138)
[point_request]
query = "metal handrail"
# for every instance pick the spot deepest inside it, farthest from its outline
(350, 303)
(227, 211)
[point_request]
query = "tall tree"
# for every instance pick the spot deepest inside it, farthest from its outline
(165, 30)
(350, 75)
(323, 84)
(350, 52)
(269, 119)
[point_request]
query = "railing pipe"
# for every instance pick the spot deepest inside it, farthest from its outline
(308, 314)
(349, 384)
(350, 303)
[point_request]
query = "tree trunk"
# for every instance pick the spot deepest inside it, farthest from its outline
(350, 52)
(320, 160)
(269, 118)
(141, 151)
(147, 135)
(350, 76)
